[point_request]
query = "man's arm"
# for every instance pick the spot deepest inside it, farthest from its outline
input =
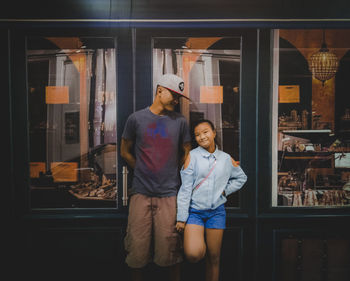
(126, 152)
(186, 149)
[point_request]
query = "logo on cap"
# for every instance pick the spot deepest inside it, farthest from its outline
(181, 86)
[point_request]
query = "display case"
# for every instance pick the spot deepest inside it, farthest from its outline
(311, 120)
(72, 122)
(311, 169)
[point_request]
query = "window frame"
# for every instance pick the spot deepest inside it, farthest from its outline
(20, 129)
(265, 127)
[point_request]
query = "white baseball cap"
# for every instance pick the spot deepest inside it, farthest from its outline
(173, 83)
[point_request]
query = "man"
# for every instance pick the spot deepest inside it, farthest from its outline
(153, 141)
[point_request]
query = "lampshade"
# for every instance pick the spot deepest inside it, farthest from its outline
(323, 64)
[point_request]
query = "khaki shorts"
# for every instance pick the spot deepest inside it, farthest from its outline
(151, 233)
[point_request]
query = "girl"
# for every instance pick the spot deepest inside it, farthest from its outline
(209, 175)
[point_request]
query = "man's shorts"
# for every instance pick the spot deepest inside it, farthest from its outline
(151, 232)
(208, 218)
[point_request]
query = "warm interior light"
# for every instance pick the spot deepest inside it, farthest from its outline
(323, 64)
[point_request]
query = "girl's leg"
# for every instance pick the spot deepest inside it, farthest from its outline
(194, 243)
(214, 241)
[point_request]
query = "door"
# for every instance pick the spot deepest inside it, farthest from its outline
(217, 67)
(212, 65)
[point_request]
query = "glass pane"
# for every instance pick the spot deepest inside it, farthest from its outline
(311, 129)
(210, 67)
(72, 122)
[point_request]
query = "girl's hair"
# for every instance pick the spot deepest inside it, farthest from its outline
(200, 121)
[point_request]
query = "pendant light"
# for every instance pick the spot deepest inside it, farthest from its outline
(323, 64)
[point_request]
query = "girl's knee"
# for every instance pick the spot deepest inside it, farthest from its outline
(214, 258)
(194, 256)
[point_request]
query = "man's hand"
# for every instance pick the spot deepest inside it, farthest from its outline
(180, 226)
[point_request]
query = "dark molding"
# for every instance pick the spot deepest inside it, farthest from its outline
(182, 9)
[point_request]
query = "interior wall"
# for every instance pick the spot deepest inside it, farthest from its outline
(308, 42)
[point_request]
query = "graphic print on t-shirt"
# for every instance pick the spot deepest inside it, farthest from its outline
(157, 146)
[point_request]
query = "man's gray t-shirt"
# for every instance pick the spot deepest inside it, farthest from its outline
(157, 141)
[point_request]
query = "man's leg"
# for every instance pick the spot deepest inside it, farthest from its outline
(138, 237)
(167, 241)
(175, 272)
(136, 274)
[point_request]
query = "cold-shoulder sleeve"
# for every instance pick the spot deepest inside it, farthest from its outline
(185, 192)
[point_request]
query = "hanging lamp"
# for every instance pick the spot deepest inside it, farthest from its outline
(323, 64)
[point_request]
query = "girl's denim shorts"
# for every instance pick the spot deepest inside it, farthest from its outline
(215, 218)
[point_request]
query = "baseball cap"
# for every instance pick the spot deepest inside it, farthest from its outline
(173, 83)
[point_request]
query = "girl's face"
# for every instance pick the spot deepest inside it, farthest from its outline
(205, 136)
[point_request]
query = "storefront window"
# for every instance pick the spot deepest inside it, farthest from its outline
(72, 122)
(210, 67)
(311, 118)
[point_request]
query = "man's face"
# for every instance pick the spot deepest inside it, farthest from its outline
(168, 99)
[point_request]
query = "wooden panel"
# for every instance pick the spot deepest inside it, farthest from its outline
(155, 9)
(78, 252)
(338, 259)
(314, 259)
(96, 251)
(300, 249)
(56, 9)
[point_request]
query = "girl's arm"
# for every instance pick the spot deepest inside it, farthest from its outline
(185, 193)
(237, 179)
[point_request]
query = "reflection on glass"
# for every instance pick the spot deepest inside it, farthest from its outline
(210, 67)
(311, 131)
(72, 122)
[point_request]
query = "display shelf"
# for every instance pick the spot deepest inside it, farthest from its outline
(313, 135)
(78, 196)
(327, 187)
(306, 154)
(325, 131)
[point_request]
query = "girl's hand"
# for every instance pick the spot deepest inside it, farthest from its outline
(180, 226)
